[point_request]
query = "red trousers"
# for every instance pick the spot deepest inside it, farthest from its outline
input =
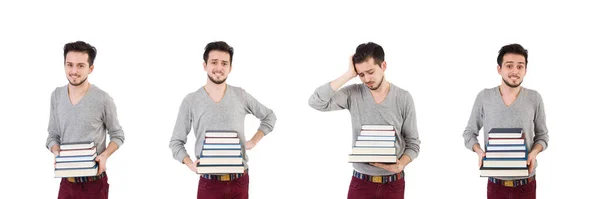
(215, 189)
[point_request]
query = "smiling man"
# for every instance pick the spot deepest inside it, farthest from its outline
(376, 101)
(82, 112)
(510, 105)
(217, 106)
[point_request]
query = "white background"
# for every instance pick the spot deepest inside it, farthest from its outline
(444, 53)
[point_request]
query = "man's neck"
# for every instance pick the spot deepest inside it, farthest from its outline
(78, 90)
(506, 90)
(383, 89)
(211, 87)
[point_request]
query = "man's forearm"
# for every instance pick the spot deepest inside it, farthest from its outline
(112, 147)
(537, 148)
(340, 81)
(258, 136)
(405, 159)
(55, 149)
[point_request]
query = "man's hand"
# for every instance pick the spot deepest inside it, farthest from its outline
(531, 161)
(191, 165)
(250, 144)
(55, 151)
(347, 76)
(351, 70)
(481, 155)
(255, 139)
(394, 168)
(101, 159)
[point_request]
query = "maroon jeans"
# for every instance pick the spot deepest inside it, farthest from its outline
(363, 189)
(498, 191)
(97, 189)
(215, 189)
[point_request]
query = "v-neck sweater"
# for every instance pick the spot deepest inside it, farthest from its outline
(396, 109)
(526, 112)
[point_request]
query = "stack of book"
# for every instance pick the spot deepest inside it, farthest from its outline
(76, 160)
(221, 153)
(375, 143)
(506, 154)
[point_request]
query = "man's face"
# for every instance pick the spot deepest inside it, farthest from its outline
(218, 66)
(77, 67)
(513, 69)
(370, 73)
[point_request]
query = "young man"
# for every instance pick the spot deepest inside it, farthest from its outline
(510, 106)
(377, 101)
(218, 106)
(82, 112)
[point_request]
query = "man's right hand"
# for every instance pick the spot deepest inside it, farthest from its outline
(191, 165)
(55, 152)
(481, 154)
(351, 70)
(347, 76)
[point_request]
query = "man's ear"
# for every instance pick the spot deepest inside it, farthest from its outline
(499, 68)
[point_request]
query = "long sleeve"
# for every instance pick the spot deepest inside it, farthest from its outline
(475, 123)
(409, 129)
(325, 99)
(265, 115)
(111, 122)
(181, 130)
(53, 131)
(541, 131)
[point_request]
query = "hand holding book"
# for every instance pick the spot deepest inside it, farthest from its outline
(101, 159)
(191, 165)
(394, 168)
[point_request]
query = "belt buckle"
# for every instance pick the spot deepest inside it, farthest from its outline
(508, 183)
(225, 177)
(377, 179)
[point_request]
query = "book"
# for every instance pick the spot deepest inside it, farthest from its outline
(505, 147)
(77, 152)
(219, 169)
(377, 127)
(505, 154)
(222, 146)
(504, 172)
(506, 141)
(72, 165)
(221, 134)
(372, 158)
(75, 158)
(221, 152)
(374, 138)
(375, 143)
(76, 172)
(504, 162)
(210, 140)
(76, 145)
(220, 160)
(377, 133)
(374, 150)
(505, 133)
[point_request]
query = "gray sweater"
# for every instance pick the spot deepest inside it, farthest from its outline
(198, 110)
(489, 111)
(90, 119)
(397, 109)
